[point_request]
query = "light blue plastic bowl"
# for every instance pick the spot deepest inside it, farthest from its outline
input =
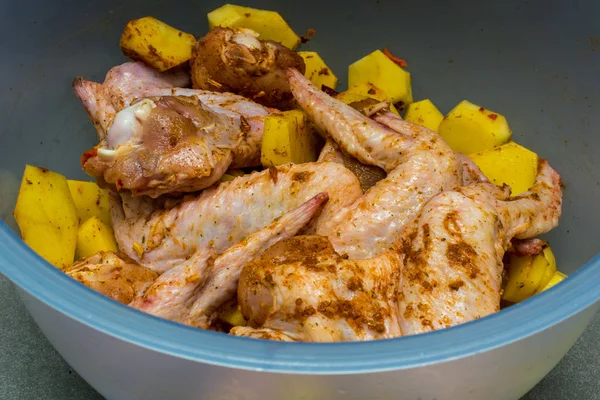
(535, 62)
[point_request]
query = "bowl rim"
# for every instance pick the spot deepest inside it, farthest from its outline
(19, 263)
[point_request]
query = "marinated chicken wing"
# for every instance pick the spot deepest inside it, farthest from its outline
(453, 251)
(235, 60)
(444, 269)
(368, 175)
(115, 276)
(190, 292)
(306, 290)
(132, 82)
(165, 145)
(221, 216)
(264, 333)
(419, 165)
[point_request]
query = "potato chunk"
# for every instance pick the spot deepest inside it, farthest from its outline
(424, 113)
(363, 91)
(556, 279)
(47, 216)
(156, 43)
(93, 237)
(90, 201)
(528, 275)
(378, 69)
(469, 128)
(269, 24)
(509, 164)
(287, 138)
(317, 71)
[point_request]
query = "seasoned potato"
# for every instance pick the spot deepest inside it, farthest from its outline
(232, 315)
(509, 164)
(90, 201)
(93, 237)
(528, 275)
(469, 128)
(47, 216)
(424, 113)
(269, 24)
(287, 138)
(363, 91)
(378, 69)
(317, 71)
(156, 43)
(556, 279)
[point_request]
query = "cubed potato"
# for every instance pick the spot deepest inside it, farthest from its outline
(156, 43)
(90, 201)
(378, 69)
(469, 128)
(424, 113)
(287, 138)
(47, 216)
(528, 275)
(509, 164)
(364, 91)
(317, 71)
(93, 237)
(232, 315)
(269, 24)
(556, 279)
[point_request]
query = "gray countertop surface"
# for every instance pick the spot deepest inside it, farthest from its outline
(31, 369)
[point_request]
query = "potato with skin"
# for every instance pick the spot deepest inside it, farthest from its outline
(269, 24)
(509, 164)
(469, 128)
(317, 71)
(378, 69)
(235, 60)
(287, 139)
(156, 43)
(424, 113)
(90, 201)
(47, 216)
(93, 237)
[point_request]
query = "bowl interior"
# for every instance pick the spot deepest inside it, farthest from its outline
(507, 56)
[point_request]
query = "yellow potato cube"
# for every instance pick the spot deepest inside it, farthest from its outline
(287, 138)
(509, 164)
(269, 24)
(90, 201)
(469, 128)
(378, 69)
(317, 71)
(528, 275)
(424, 113)
(232, 315)
(364, 91)
(93, 237)
(556, 279)
(156, 43)
(47, 216)
(227, 178)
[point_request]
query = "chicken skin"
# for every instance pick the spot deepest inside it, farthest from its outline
(190, 292)
(235, 60)
(418, 163)
(115, 276)
(161, 238)
(444, 269)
